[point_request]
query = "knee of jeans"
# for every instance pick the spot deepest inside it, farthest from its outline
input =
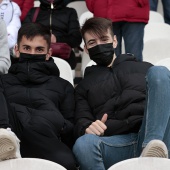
(85, 143)
(157, 74)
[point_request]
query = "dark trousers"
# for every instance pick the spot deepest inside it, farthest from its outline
(166, 8)
(132, 33)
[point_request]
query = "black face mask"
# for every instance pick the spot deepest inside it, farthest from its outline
(24, 57)
(102, 54)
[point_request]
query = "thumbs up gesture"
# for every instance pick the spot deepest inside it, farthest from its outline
(98, 127)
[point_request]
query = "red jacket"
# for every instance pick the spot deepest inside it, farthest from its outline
(120, 10)
(25, 6)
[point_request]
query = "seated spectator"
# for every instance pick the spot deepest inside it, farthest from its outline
(25, 6)
(61, 21)
(10, 13)
(111, 125)
(4, 50)
(36, 103)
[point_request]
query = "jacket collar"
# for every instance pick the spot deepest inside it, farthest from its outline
(120, 59)
(123, 57)
(46, 5)
(34, 72)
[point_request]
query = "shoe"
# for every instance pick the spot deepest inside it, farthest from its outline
(155, 148)
(9, 145)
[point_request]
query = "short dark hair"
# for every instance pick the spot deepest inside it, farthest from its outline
(30, 30)
(97, 26)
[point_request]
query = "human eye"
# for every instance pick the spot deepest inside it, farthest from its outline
(26, 48)
(91, 43)
(40, 50)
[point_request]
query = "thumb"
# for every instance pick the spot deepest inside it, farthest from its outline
(104, 118)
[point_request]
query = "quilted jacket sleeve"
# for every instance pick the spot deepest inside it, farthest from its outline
(67, 109)
(4, 120)
(83, 115)
(73, 38)
(4, 49)
(14, 26)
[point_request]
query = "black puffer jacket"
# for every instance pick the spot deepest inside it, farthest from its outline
(65, 25)
(119, 91)
(41, 99)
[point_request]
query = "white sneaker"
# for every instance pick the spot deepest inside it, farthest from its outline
(9, 145)
(155, 148)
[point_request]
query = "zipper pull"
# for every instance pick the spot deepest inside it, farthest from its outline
(52, 6)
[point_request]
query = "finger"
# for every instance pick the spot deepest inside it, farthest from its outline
(93, 130)
(88, 131)
(101, 124)
(104, 118)
(97, 128)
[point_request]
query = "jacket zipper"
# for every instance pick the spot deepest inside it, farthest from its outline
(52, 7)
(28, 91)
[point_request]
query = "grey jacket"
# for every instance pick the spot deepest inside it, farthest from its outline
(5, 61)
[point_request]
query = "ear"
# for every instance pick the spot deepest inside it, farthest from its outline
(114, 41)
(16, 51)
(49, 54)
(85, 49)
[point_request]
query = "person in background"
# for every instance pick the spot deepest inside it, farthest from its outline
(4, 50)
(10, 13)
(166, 8)
(25, 6)
(129, 19)
(122, 105)
(37, 106)
(61, 21)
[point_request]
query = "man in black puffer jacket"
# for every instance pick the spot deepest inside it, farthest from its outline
(110, 103)
(36, 103)
(61, 21)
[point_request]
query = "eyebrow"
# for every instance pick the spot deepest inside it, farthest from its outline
(41, 47)
(103, 36)
(25, 46)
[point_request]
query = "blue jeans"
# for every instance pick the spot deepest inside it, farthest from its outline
(166, 8)
(99, 153)
(132, 33)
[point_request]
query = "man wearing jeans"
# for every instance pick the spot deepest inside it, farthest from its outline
(116, 117)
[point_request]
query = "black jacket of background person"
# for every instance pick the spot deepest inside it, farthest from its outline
(65, 24)
(119, 91)
(41, 100)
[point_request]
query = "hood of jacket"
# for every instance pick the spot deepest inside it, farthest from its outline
(29, 72)
(46, 4)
